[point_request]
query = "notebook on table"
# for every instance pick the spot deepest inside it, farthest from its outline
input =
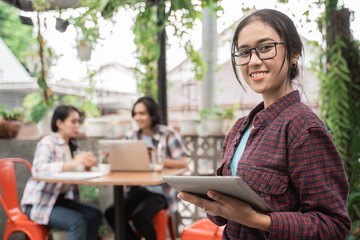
(126, 155)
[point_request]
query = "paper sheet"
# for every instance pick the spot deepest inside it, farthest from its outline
(71, 175)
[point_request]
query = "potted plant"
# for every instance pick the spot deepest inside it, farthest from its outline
(37, 111)
(61, 24)
(94, 126)
(88, 33)
(188, 126)
(104, 165)
(10, 122)
(214, 119)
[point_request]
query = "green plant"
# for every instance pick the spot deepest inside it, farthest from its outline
(88, 192)
(17, 114)
(150, 23)
(104, 230)
(35, 107)
(87, 28)
(340, 92)
(18, 37)
(217, 113)
(104, 158)
(88, 107)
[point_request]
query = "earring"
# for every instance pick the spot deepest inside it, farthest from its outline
(293, 65)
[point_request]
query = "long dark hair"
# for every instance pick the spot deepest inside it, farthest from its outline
(286, 29)
(152, 108)
(61, 113)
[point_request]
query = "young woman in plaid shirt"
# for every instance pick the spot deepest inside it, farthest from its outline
(56, 204)
(282, 150)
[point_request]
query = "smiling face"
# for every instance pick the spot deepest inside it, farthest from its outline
(142, 116)
(266, 77)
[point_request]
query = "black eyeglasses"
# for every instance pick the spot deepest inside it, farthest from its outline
(264, 51)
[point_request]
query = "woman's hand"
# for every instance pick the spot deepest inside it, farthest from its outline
(88, 159)
(230, 208)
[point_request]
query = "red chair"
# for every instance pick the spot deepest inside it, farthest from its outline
(17, 221)
(202, 229)
(161, 220)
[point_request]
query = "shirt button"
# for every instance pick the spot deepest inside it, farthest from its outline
(263, 124)
(228, 166)
(267, 187)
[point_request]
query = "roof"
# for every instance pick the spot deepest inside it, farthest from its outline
(13, 75)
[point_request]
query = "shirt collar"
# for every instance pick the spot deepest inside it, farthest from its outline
(155, 134)
(58, 139)
(264, 116)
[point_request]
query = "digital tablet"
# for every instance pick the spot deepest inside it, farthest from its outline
(228, 185)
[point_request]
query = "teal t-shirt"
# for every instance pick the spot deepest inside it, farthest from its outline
(239, 151)
(148, 140)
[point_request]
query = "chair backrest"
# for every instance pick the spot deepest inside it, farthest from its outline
(9, 198)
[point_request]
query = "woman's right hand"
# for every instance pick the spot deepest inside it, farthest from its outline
(229, 208)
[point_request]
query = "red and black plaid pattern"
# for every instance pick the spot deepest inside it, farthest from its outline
(291, 162)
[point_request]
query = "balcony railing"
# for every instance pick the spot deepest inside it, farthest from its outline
(205, 156)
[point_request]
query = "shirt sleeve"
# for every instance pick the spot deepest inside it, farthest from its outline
(44, 159)
(317, 173)
(220, 221)
(176, 146)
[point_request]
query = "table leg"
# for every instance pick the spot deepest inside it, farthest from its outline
(120, 217)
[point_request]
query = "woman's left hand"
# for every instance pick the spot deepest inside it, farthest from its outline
(230, 208)
(88, 159)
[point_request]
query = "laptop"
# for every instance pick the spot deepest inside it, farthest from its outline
(126, 155)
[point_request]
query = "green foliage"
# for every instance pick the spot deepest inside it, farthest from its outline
(150, 22)
(340, 94)
(217, 112)
(90, 109)
(38, 112)
(88, 192)
(197, 61)
(17, 37)
(30, 101)
(336, 87)
(146, 32)
(87, 27)
(35, 107)
(104, 230)
(15, 114)
(86, 106)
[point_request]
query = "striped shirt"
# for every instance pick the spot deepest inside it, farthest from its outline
(291, 162)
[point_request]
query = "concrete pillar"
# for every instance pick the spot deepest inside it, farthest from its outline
(208, 86)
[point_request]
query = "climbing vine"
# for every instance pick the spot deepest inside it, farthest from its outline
(338, 68)
(339, 97)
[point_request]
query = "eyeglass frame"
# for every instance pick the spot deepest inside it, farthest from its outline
(236, 54)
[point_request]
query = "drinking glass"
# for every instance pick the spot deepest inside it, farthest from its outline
(157, 160)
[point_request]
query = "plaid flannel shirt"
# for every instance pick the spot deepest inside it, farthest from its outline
(174, 149)
(50, 155)
(291, 162)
